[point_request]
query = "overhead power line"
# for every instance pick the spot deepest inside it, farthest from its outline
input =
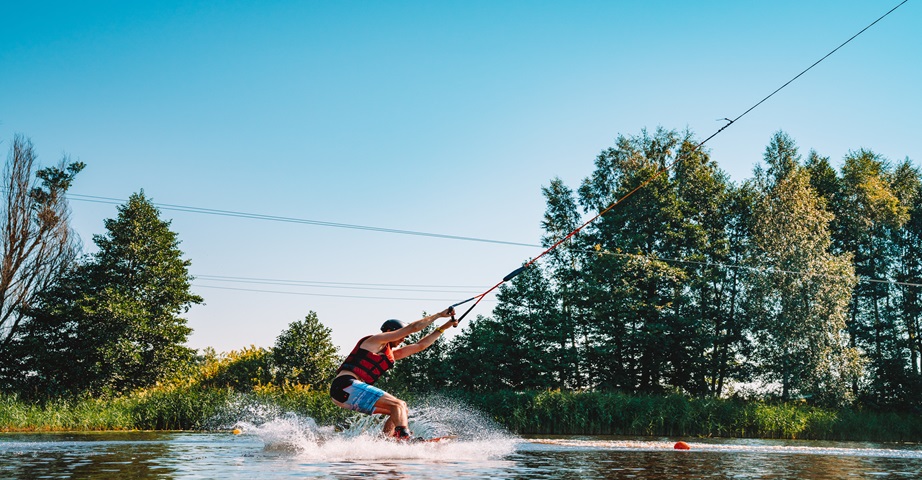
(319, 282)
(303, 221)
(322, 294)
(337, 285)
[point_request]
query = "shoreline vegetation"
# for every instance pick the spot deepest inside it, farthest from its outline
(703, 285)
(548, 412)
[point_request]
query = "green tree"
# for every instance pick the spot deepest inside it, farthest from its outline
(910, 274)
(824, 180)
(304, 353)
(565, 266)
(116, 316)
(240, 370)
(421, 372)
(732, 344)
(801, 340)
(873, 210)
(537, 352)
(868, 214)
(479, 357)
(898, 381)
(633, 324)
(707, 326)
(55, 355)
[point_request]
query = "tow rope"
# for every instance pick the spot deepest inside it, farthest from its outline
(646, 182)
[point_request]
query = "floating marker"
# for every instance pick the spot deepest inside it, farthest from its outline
(681, 446)
(237, 431)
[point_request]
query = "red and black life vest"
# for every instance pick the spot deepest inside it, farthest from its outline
(368, 366)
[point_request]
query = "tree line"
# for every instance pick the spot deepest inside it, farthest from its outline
(802, 281)
(111, 322)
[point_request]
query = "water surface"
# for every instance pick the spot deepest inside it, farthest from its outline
(273, 454)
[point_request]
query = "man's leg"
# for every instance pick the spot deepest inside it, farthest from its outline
(389, 426)
(397, 411)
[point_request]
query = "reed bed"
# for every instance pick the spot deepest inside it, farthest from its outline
(193, 407)
(162, 408)
(611, 413)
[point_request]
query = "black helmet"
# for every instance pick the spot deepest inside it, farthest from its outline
(392, 324)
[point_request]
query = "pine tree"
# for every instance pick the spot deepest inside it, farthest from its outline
(116, 317)
(898, 380)
(705, 331)
(482, 356)
(910, 272)
(564, 267)
(631, 291)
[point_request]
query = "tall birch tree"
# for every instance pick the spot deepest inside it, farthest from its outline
(801, 343)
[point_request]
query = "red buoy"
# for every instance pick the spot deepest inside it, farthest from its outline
(681, 446)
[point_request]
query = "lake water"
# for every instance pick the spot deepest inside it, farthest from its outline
(274, 453)
(272, 444)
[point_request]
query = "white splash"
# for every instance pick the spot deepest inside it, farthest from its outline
(475, 437)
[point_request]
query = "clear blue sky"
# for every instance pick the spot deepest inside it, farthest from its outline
(441, 117)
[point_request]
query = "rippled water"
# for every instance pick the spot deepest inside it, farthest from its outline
(267, 452)
(272, 444)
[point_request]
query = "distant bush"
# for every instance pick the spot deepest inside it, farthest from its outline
(241, 370)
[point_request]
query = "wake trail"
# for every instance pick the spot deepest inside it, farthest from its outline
(752, 446)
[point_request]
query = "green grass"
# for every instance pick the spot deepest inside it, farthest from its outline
(606, 413)
(87, 414)
(192, 407)
(161, 408)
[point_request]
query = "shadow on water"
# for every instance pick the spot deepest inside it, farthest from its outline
(86, 455)
(671, 465)
(585, 457)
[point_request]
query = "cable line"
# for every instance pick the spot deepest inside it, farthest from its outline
(661, 171)
(770, 95)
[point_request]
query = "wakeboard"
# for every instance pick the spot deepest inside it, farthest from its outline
(445, 438)
(417, 440)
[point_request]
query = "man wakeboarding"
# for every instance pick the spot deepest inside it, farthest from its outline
(373, 355)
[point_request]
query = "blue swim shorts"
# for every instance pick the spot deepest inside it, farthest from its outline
(355, 394)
